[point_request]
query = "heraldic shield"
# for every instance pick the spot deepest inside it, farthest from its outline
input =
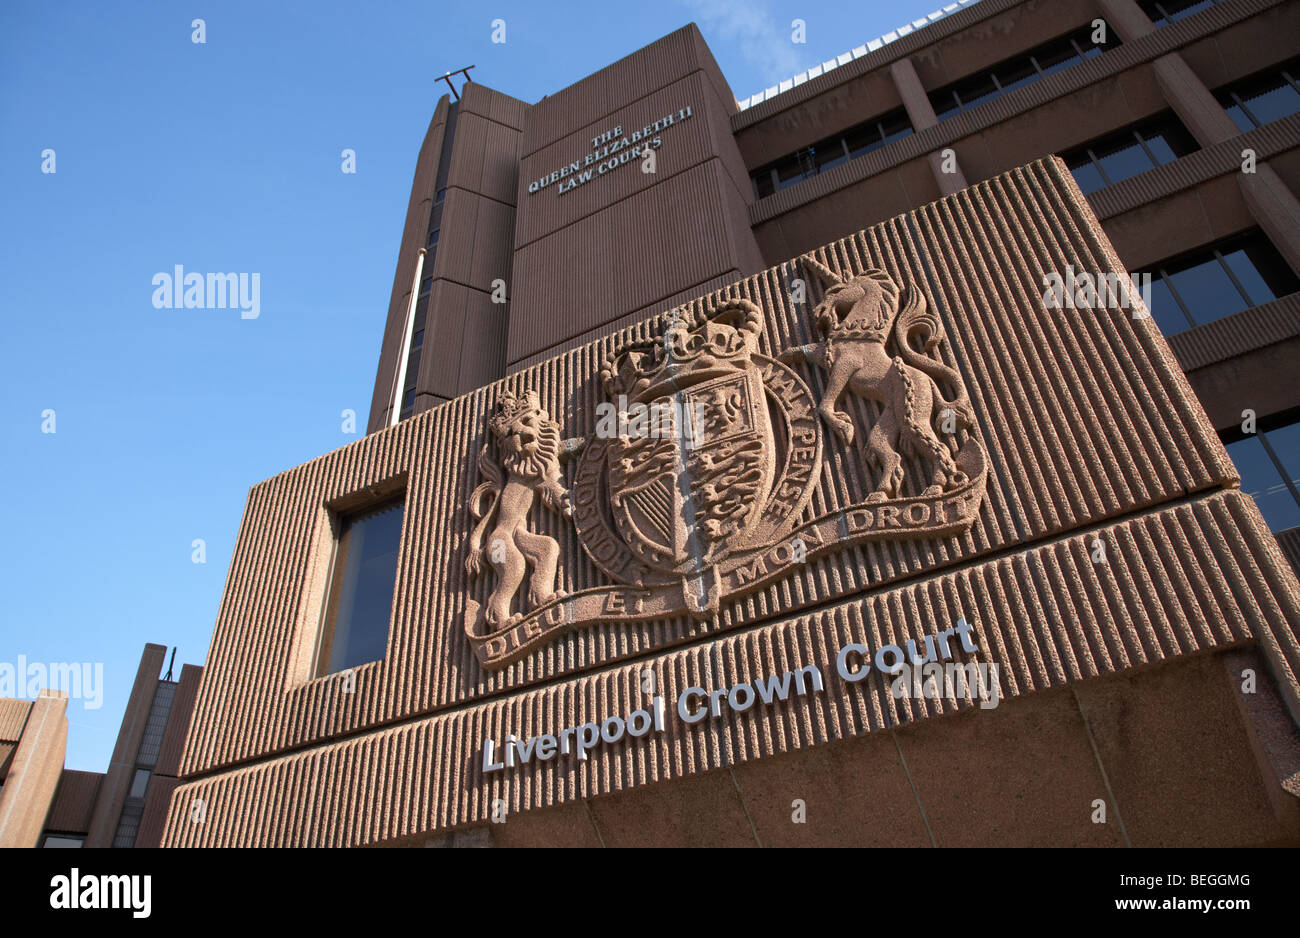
(687, 490)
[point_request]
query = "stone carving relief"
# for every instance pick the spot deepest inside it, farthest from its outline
(707, 499)
(532, 450)
(858, 318)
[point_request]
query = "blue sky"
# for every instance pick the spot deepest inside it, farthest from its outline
(226, 156)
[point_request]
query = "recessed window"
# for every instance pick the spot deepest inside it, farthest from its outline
(1263, 97)
(362, 578)
(1218, 280)
(1164, 12)
(823, 155)
(1128, 152)
(1018, 71)
(139, 784)
(1269, 465)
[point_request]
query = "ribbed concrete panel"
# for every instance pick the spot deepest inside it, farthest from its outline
(153, 819)
(1289, 542)
(565, 288)
(634, 76)
(624, 238)
(1238, 334)
(622, 322)
(685, 143)
(495, 106)
(74, 801)
(178, 722)
(483, 349)
(13, 714)
(466, 167)
(1186, 579)
(444, 335)
(500, 165)
(1085, 417)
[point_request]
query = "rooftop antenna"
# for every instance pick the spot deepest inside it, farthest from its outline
(456, 71)
(170, 664)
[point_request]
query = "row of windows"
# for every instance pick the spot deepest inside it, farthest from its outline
(1024, 69)
(1218, 280)
(1252, 102)
(827, 154)
(1164, 12)
(952, 99)
(1128, 152)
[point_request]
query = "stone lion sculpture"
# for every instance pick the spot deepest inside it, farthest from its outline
(857, 319)
(532, 450)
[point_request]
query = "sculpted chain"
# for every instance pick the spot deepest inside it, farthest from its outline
(680, 521)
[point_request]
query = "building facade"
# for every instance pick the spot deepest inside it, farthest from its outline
(43, 804)
(810, 471)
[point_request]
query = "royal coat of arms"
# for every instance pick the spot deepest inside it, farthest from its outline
(693, 486)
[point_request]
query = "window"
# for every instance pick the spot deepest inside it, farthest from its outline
(426, 285)
(1263, 97)
(1217, 281)
(857, 141)
(1164, 12)
(63, 840)
(1128, 152)
(1269, 464)
(362, 577)
(442, 194)
(139, 784)
(1018, 71)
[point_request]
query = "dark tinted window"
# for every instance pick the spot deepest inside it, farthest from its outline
(1128, 152)
(1018, 71)
(360, 600)
(1269, 464)
(1263, 97)
(831, 152)
(1164, 12)
(1218, 280)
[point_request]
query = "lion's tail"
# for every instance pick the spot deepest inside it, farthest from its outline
(916, 324)
(491, 492)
